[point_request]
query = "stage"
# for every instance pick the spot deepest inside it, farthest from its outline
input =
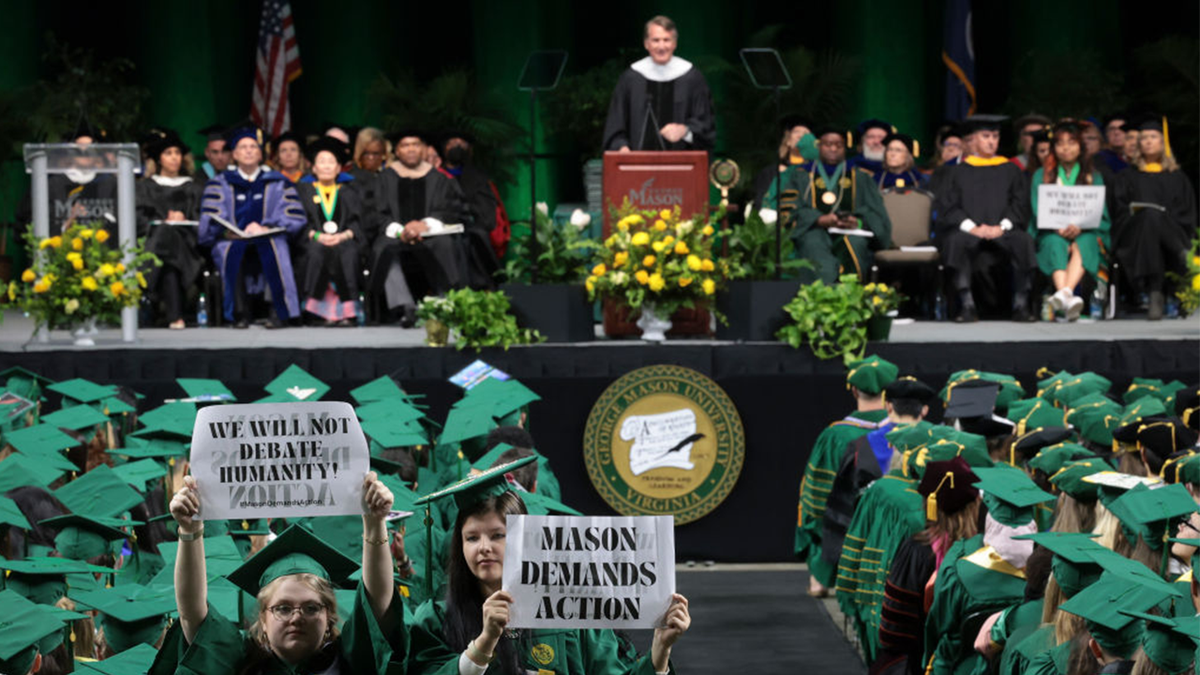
(785, 396)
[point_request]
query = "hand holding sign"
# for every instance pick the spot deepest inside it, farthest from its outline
(678, 620)
(185, 506)
(377, 498)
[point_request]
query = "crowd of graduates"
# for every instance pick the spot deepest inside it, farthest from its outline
(1048, 529)
(109, 566)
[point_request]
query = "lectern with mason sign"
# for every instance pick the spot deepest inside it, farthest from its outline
(656, 180)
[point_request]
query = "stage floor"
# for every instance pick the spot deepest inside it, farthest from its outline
(16, 331)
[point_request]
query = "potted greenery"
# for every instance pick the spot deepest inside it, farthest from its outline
(477, 319)
(78, 280)
(832, 319)
(1187, 285)
(654, 265)
(557, 305)
(885, 302)
(754, 302)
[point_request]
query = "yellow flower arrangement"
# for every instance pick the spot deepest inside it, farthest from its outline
(101, 236)
(89, 284)
(620, 258)
(28, 276)
(649, 261)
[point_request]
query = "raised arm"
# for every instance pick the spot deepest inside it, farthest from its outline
(377, 555)
(191, 582)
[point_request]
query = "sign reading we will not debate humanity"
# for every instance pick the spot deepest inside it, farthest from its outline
(589, 571)
(263, 460)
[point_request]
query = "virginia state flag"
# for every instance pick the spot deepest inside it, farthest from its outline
(958, 53)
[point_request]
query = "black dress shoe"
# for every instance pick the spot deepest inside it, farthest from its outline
(967, 315)
(274, 322)
(1023, 315)
(409, 319)
(1157, 302)
(241, 324)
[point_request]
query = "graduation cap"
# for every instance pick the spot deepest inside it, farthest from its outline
(909, 388)
(75, 418)
(140, 473)
(99, 492)
(1035, 413)
(1010, 495)
(828, 129)
(42, 443)
(23, 627)
(289, 135)
(84, 127)
(541, 505)
(914, 148)
(1187, 407)
(1010, 387)
(947, 487)
(334, 146)
(296, 384)
(985, 122)
(171, 420)
(205, 389)
(42, 579)
(296, 551)
(380, 389)
(467, 423)
(1164, 437)
(874, 123)
(1141, 387)
(236, 134)
(213, 132)
(871, 375)
(1053, 457)
(1145, 407)
(20, 470)
(1067, 390)
(82, 537)
(221, 554)
(10, 514)
(1167, 648)
(162, 139)
(24, 382)
(1070, 478)
(507, 397)
(793, 120)
(474, 489)
(398, 409)
(1030, 118)
(1074, 565)
(153, 448)
(81, 390)
(1182, 467)
(490, 457)
(133, 661)
(1149, 513)
(132, 613)
(1100, 607)
(1030, 443)
(394, 432)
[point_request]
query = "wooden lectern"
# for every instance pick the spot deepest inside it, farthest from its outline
(656, 180)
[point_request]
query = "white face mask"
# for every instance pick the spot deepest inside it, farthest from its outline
(80, 177)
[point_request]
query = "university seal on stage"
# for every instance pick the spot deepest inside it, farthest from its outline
(664, 440)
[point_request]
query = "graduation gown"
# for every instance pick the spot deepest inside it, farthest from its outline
(366, 183)
(803, 203)
(364, 646)
(482, 203)
(339, 264)
(864, 461)
(271, 201)
(675, 92)
(175, 246)
(823, 463)
(98, 196)
(1053, 250)
(571, 651)
(1153, 242)
(984, 194)
(907, 179)
(902, 619)
(440, 262)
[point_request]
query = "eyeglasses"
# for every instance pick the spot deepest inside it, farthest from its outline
(308, 610)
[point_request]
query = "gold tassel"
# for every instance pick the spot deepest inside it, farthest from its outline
(916, 148)
(1166, 137)
(1043, 372)
(849, 139)
(931, 507)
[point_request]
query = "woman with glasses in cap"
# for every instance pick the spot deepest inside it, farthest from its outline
(296, 628)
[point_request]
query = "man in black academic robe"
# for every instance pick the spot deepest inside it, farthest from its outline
(79, 196)
(416, 202)
(482, 202)
(662, 102)
(982, 210)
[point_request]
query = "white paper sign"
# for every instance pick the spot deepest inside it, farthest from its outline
(589, 571)
(279, 460)
(1063, 205)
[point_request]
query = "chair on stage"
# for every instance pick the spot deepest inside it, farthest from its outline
(910, 211)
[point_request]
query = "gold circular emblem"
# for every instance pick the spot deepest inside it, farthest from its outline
(844, 182)
(899, 182)
(664, 440)
(819, 182)
(829, 198)
(543, 653)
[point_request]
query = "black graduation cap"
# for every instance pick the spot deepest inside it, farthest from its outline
(213, 132)
(1031, 118)
(826, 129)
(1041, 136)
(1150, 122)
(1031, 443)
(407, 132)
(1112, 117)
(340, 150)
(793, 120)
(1187, 407)
(951, 129)
(909, 142)
(160, 139)
(990, 426)
(444, 136)
(288, 135)
(874, 123)
(909, 389)
(985, 122)
(972, 398)
(98, 135)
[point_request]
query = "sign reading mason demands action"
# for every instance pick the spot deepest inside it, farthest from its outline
(664, 440)
(263, 460)
(589, 571)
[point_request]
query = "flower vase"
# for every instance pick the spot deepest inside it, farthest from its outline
(654, 326)
(437, 334)
(85, 332)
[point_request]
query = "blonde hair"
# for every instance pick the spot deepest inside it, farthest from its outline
(1074, 515)
(314, 583)
(962, 524)
(1167, 161)
(365, 137)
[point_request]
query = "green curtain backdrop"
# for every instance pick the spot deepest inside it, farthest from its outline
(196, 58)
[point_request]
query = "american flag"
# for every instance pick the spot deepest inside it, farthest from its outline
(277, 64)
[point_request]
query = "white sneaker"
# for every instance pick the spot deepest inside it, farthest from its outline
(1059, 301)
(1074, 308)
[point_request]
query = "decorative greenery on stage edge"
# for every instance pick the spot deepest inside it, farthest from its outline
(563, 252)
(477, 319)
(832, 320)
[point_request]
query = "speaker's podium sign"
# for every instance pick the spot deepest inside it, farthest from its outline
(279, 460)
(589, 571)
(656, 180)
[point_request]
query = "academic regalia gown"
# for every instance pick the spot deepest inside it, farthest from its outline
(570, 651)
(481, 203)
(338, 265)
(364, 646)
(271, 201)
(440, 261)
(1153, 242)
(902, 618)
(803, 203)
(864, 461)
(175, 245)
(366, 183)
(675, 92)
(1053, 250)
(985, 195)
(819, 473)
(907, 179)
(98, 196)
(871, 166)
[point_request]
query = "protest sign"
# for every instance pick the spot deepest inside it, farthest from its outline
(278, 460)
(589, 571)
(1063, 205)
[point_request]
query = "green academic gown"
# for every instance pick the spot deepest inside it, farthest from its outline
(1052, 249)
(564, 652)
(852, 190)
(364, 646)
(822, 468)
(964, 589)
(1020, 633)
(1053, 661)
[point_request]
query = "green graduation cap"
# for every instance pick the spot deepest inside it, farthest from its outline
(1101, 604)
(1148, 513)
(507, 398)
(469, 491)
(1010, 494)
(140, 473)
(392, 408)
(1010, 387)
(132, 613)
(1074, 564)
(42, 579)
(296, 551)
(296, 384)
(382, 388)
(205, 390)
(1167, 648)
(871, 375)
(20, 470)
(82, 537)
(1095, 416)
(40, 439)
(1182, 468)
(1134, 413)
(1070, 478)
(489, 458)
(172, 420)
(10, 515)
(1069, 389)
(1142, 387)
(1035, 413)
(133, 661)
(113, 405)
(153, 448)
(384, 465)
(541, 505)
(81, 390)
(249, 527)
(1052, 458)
(22, 628)
(467, 423)
(24, 383)
(75, 418)
(99, 492)
(394, 432)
